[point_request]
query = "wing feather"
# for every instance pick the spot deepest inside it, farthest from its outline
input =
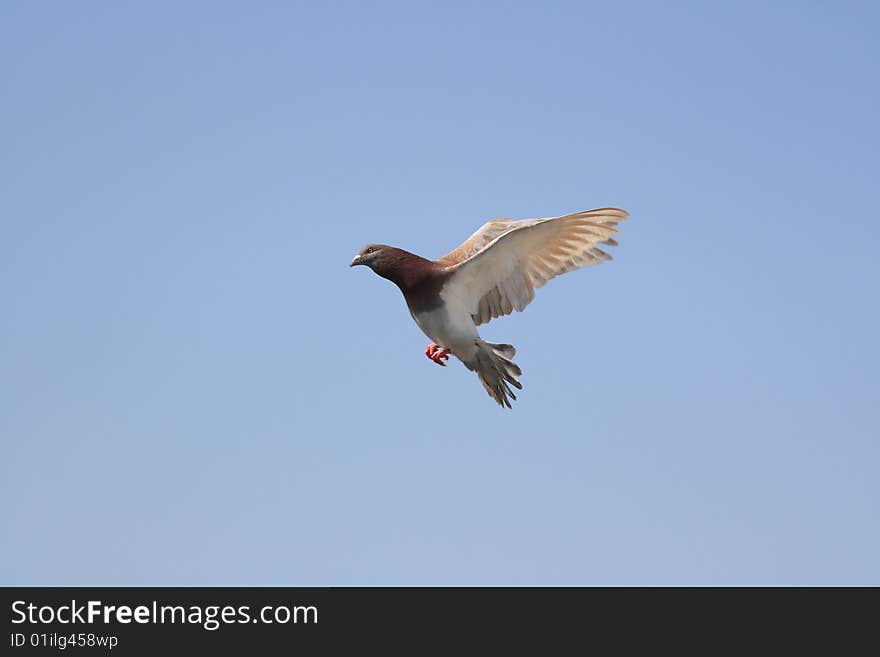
(497, 270)
(477, 242)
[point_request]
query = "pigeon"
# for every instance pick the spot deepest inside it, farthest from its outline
(494, 272)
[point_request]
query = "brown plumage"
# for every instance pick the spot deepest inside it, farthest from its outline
(418, 278)
(494, 272)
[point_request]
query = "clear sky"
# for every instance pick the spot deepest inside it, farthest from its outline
(196, 389)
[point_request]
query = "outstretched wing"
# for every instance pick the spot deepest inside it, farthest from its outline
(476, 242)
(501, 275)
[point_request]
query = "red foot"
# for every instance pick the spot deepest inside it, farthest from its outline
(437, 353)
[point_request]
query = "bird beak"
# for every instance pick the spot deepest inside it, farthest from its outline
(355, 261)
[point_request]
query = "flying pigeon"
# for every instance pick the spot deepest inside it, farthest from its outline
(492, 273)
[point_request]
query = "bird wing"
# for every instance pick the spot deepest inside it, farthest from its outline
(476, 242)
(501, 275)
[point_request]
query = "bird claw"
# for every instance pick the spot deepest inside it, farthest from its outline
(437, 353)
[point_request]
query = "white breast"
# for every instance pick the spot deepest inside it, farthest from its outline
(455, 331)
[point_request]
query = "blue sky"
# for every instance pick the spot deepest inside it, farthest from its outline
(196, 389)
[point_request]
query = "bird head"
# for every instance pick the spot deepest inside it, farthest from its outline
(372, 255)
(398, 266)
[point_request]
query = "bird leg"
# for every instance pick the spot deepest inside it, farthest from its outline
(437, 353)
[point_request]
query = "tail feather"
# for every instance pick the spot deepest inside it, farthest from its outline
(494, 365)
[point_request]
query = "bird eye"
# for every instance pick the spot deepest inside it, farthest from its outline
(370, 250)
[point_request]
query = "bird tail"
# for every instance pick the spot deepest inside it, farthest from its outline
(494, 365)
